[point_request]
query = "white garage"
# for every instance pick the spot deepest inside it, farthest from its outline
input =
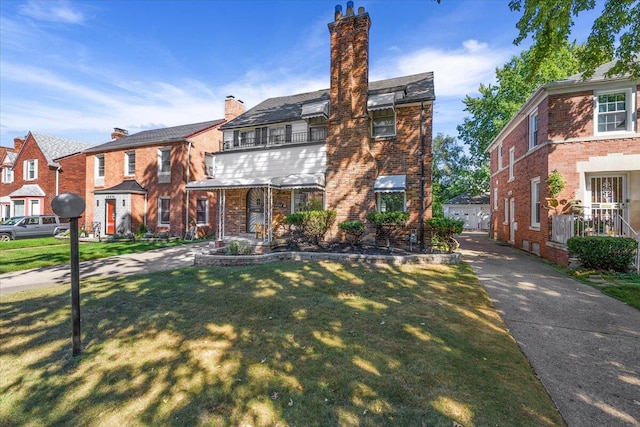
(473, 210)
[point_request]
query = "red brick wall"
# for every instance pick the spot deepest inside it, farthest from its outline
(354, 158)
(147, 176)
(561, 117)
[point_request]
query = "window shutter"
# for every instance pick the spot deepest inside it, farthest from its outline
(35, 169)
(236, 138)
(24, 170)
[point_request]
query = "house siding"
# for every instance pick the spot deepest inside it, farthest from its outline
(567, 144)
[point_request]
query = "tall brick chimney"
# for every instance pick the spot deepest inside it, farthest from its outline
(18, 143)
(351, 168)
(119, 133)
(232, 108)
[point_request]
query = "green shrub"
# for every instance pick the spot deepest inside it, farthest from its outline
(387, 224)
(353, 231)
(314, 225)
(604, 252)
(443, 230)
(237, 248)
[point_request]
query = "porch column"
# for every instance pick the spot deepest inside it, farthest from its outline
(221, 209)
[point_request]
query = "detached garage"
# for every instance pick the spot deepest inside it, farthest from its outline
(473, 210)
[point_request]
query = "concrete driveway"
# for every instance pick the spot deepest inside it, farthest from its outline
(583, 345)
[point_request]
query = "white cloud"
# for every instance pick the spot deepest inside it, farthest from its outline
(52, 11)
(456, 72)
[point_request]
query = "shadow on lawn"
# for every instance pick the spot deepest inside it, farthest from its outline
(291, 343)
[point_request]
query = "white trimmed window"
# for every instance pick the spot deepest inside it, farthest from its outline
(130, 163)
(614, 111)
(495, 199)
(164, 161)
(30, 169)
(100, 166)
(7, 175)
(383, 122)
(209, 162)
(535, 202)
(391, 202)
(202, 211)
(512, 159)
(533, 130)
(499, 156)
(164, 209)
(506, 211)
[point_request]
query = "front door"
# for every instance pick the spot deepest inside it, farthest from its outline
(34, 207)
(111, 216)
(607, 196)
(255, 209)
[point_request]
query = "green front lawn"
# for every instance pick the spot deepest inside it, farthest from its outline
(24, 254)
(299, 344)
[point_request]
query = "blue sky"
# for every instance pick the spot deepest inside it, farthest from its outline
(77, 69)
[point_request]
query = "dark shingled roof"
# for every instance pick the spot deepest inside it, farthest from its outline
(466, 199)
(155, 136)
(419, 87)
(125, 187)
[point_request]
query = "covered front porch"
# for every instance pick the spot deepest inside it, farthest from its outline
(255, 208)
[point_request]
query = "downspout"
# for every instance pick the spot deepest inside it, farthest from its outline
(422, 195)
(57, 180)
(186, 221)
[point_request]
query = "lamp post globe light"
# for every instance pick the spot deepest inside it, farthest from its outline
(71, 205)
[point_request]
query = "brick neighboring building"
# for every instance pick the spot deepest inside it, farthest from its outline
(39, 168)
(140, 179)
(354, 148)
(587, 130)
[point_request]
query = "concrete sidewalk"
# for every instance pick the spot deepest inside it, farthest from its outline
(583, 345)
(155, 260)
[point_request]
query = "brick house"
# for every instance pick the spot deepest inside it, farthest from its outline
(587, 130)
(355, 147)
(39, 168)
(140, 179)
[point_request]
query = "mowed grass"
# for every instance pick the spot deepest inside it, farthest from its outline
(24, 254)
(287, 344)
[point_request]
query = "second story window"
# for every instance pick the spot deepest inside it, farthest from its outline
(30, 169)
(7, 175)
(208, 164)
(99, 166)
(383, 122)
(512, 159)
(613, 112)
(164, 161)
(130, 163)
(533, 130)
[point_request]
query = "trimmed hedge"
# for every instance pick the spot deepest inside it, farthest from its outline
(353, 231)
(314, 225)
(443, 231)
(604, 252)
(387, 224)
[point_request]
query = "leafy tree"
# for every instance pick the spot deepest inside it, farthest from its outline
(614, 33)
(499, 102)
(451, 172)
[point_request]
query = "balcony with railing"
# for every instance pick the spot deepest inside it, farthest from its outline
(244, 141)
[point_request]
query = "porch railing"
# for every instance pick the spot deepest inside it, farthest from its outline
(563, 227)
(318, 134)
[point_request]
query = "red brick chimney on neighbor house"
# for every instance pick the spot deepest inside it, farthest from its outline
(351, 169)
(119, 133)
(232, 108)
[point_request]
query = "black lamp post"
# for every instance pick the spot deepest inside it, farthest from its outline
(71, 205)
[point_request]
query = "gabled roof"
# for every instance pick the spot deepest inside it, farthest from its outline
(156, 136)
(417, 87)
(28, 190)
(466, 199)
(128, 186)
(55, 147)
